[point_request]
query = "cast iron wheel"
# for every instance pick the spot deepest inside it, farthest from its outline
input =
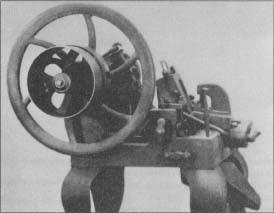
(142, 53)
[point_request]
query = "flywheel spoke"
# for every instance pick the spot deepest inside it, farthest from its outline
(65, 106)
(114, 113)
(26, 101)
(41, 43)
(91, 31)
(67, 58)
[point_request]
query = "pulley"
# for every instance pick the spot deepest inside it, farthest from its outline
(75, 80)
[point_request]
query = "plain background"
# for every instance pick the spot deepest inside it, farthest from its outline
(228, 43)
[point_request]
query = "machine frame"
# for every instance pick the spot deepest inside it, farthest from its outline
(209, 160)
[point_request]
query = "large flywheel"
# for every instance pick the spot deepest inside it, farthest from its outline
(80, 80)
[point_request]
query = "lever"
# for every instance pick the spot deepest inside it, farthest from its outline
(165, 68)
(206, 111)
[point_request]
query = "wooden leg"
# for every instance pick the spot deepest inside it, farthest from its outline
(108, 189)
(208, 191)
(75, 189)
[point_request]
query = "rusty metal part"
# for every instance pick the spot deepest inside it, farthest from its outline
(141, 49)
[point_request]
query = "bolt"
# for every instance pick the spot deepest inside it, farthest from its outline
(59, 83)
(160, 129)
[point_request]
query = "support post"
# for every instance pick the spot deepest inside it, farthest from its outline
(208, 191)
(106, 185)
(76, 189)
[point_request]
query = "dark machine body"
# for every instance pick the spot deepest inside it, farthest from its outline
(103, 93)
